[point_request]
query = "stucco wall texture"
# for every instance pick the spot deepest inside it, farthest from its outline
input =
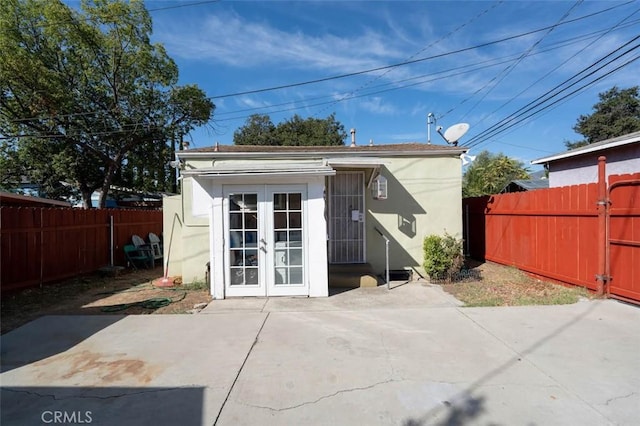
(424, 197)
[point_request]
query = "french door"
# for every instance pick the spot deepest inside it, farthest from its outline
(265, 231)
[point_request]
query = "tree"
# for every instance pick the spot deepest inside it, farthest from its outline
(296, 131)
(491, 173)
(257, 130)
(85, 90)
(616, 114)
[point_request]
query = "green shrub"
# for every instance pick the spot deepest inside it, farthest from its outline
(442, 256)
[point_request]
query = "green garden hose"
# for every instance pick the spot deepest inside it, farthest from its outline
(153, 303)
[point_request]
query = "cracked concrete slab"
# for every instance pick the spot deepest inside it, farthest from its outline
(407, 366)
(304, 361)
(151, 369)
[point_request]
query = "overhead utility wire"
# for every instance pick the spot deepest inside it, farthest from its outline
(354, 96)
(449, 34)
(617, 26)
(503, 60)
(504, 73)
(505, 123)
(567, 42)
(414, 61)
(548, 96)
(472, 68)
(559, 101)
(158, 9)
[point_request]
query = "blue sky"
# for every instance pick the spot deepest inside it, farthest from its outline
(228, 47)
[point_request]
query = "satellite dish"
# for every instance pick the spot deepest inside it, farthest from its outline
(455, 132)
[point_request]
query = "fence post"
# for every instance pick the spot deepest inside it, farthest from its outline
(111, 240)
(603, 202)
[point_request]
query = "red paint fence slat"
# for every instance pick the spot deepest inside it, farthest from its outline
(554, 233)
(41, 245)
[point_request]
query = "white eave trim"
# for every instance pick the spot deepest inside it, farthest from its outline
(599, 146)
(212, 173)
(318, 154)
(356, 162)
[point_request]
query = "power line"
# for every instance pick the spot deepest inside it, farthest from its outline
(617, 26)
(423, 80)
(507, 124)
(414, 61)
(502, 75)
(158, 9)
(449, 34)
(548, 95)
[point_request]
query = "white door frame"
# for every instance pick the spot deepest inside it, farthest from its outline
(244, 290)
(274, 289)
(266, 285)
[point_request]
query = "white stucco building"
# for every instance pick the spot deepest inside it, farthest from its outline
(269, 220)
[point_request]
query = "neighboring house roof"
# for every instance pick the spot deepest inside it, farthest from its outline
(419, 149)
(527, 185)
(15, 200)
(591, 148)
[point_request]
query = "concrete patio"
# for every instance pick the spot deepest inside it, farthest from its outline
(409, 356)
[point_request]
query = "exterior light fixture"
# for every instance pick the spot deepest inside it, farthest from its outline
(379, 188)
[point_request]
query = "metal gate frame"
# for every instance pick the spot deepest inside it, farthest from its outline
(332, 231)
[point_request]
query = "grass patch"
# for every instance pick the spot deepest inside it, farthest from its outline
(196, 285)
(508, 286)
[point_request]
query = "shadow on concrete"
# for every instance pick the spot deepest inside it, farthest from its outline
(103, 406)
(457, 413)
(466, 407)
(43, 338)
(339, 290)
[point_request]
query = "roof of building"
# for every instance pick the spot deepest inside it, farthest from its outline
(15, 200)
(591, 148)
(531, 184)
(391, 149)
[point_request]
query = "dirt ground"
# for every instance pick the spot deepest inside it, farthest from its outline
(100, 295)
(490, 285)
(498, 285)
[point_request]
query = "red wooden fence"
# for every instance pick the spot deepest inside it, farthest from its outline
(554, 233)
(40, 245)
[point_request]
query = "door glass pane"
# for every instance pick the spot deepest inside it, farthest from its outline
(250, 202)
(288, 253)
(251, 275)
(295, 257)
(280, 220)
(295, 220)
(251, 221)
(251, 239)
(235, 220)
(243, 239)
(280, 201)
(295, 201)
(295, 275)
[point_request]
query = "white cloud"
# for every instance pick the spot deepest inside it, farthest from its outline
(231, 39)
(376, 105)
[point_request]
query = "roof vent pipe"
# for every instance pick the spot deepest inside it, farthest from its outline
(370, 142)
(217, 147)
(353, 137)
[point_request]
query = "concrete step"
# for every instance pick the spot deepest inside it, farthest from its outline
(352, 276)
